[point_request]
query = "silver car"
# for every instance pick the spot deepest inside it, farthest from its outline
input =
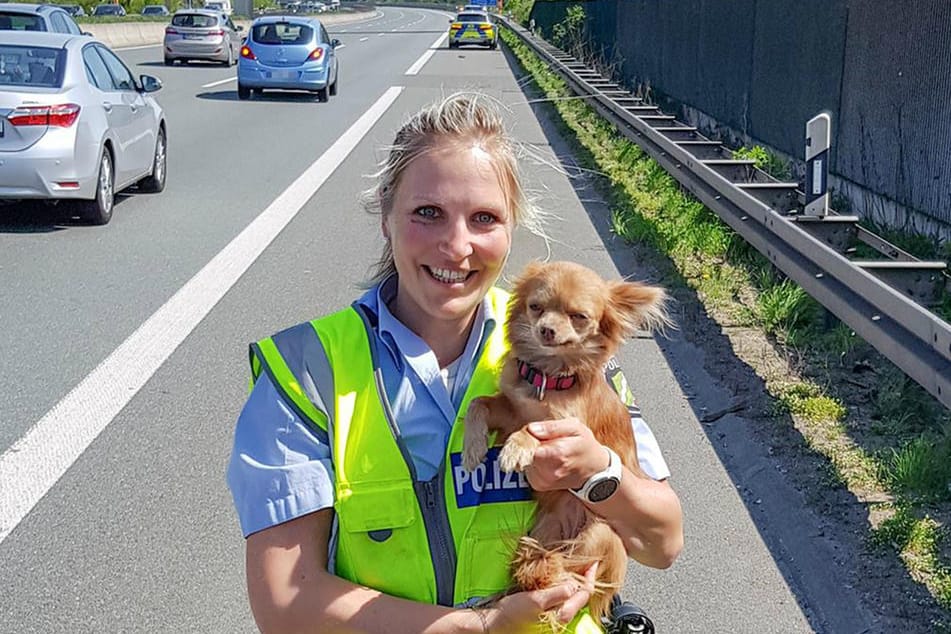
(202, 34)
(37, 17)
(75, 124)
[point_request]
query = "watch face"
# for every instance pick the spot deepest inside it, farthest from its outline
(603, 490)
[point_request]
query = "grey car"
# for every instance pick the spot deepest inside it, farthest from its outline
(75, 124)
(202, 34)
(37, 17)
(155, 9)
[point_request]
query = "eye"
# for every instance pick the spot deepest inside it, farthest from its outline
(426, 211)
(579, 317)
(485, 218)
(535, 307)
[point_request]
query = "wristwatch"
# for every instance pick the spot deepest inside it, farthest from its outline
(603, 484)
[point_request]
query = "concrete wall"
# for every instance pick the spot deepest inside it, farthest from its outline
(754, 71)
(125, 34)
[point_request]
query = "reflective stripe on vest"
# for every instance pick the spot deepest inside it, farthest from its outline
(468, 522)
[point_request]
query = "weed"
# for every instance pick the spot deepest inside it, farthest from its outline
(765, 160)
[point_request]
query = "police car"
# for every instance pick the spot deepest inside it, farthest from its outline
(472, 27)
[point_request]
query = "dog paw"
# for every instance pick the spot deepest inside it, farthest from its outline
(475, 439)
(518, 452)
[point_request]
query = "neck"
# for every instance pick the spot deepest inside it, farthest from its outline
(447, 339)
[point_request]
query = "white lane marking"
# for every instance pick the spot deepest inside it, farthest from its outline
(136, 48)
(380, 34)
(418, 64)
(340, 46)
(364, 39)
(35, 462)
(218, 83)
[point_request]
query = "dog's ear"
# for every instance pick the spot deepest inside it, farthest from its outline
(533, 269)
(520, 287)
(631, 306)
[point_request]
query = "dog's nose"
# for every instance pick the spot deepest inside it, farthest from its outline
(548, 334)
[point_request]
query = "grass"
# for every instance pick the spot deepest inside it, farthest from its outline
(731, 278)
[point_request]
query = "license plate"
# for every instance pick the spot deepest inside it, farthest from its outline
(194, 37)
(283, 74)
(472, 35)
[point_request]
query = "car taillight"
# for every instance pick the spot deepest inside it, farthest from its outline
(219, 33)
(60, 116)
(316, 54)
(456, 25)
(247, 53)
(170, 31)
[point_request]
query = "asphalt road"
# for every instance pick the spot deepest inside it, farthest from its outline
(124, 358)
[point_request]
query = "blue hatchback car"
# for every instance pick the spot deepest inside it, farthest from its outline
(288, 53)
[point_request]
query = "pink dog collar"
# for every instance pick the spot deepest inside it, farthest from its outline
(541, 381)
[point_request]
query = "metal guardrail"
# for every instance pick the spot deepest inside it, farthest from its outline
(878, 299)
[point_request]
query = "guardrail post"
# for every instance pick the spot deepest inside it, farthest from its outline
(818, 141)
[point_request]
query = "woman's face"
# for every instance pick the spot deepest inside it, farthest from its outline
(450, 230)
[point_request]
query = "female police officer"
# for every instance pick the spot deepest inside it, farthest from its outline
(345, 469)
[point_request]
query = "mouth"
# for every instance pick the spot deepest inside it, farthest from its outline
(449, 277)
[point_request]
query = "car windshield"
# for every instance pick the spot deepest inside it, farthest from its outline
(470, 17)
(107, 9)
(31, 66)
(13, 21)
(282, 33)
(195, 20)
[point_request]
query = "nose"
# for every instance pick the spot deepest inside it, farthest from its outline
(456, 242)
(547, 334)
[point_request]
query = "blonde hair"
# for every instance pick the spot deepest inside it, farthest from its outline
(459, 118)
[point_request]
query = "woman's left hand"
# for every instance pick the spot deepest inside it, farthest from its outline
(567, 456)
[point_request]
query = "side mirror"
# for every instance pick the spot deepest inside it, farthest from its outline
(87, 34)
(335, 42)
(239, 28)
(150, 83)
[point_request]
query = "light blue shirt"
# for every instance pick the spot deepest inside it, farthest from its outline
(281, 467)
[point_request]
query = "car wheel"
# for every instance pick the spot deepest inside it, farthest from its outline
(155, 182)
(494, 45)
(99, 210)
(169, 61)
(244, 92)
(258, 92)
(322, 95)
(333, 86)
(453, 45)
(230, 61)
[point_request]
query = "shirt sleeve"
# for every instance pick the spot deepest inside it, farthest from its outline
(281, 466)
(649, 455)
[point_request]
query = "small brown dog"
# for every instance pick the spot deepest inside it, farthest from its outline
(564, 324)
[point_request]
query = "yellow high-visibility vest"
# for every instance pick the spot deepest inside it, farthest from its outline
(445, 541)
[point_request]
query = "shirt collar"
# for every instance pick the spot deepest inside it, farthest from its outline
(400, 340)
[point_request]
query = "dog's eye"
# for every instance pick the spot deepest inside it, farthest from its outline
(535, 307)
(579, 316)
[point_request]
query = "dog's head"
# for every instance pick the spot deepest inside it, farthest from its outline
(564, 318)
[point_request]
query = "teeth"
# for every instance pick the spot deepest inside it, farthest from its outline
(447, 275)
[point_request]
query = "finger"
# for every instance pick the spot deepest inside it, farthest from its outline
(547, 429)
(573, 604)
(591, 575)
(550, 598)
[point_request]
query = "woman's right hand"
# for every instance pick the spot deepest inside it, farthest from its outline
(520, 611)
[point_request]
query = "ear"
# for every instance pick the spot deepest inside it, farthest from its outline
(633, 305)
(522, 285)
(532, 270)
